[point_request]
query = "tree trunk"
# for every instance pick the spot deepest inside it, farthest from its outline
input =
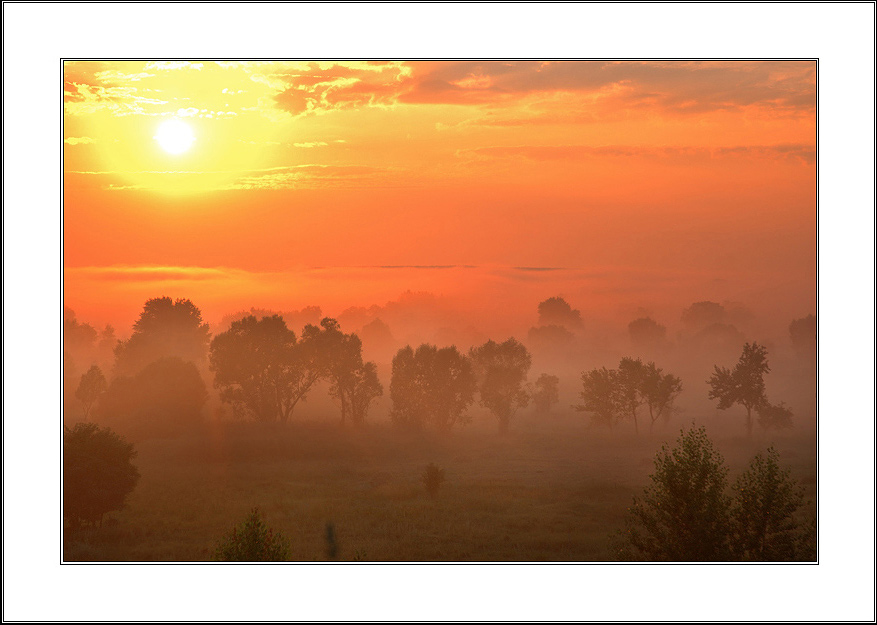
(749, 421)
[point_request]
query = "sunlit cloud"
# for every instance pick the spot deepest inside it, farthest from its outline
(78, 140)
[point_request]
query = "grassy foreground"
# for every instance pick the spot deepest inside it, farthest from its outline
(551, 490)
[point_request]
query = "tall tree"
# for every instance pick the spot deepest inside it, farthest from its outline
(744, 384)
(260, 368)
(659, 391)
(165, 328)
(92, 385)
(431, 386)
(501, 373)
(600, 396)
(556, 311)
(338, 358)
(546, 393)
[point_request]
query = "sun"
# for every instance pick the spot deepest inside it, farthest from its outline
(175, 136)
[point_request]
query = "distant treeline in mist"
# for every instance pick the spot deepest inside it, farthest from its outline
(157, 382)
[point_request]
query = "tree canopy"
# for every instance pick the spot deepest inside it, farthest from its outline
(501, 373)
(431, 386)
(744, 384)
(165, 327)
(98, 473)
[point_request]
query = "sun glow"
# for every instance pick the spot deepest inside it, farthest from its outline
(175, 136)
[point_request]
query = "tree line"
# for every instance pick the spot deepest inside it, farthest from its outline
(262, 370)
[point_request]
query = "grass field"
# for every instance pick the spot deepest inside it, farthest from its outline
(551, 490)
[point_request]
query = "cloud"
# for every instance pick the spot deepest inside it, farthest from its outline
(78, 140)
(305, 176)
(797, 152)
(154, 273)
(173, 65)
(311, 144)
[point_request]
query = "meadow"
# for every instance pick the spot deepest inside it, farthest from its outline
(551, 490)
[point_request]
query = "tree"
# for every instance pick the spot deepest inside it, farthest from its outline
(501, 372)
(98, 473)
(646, 332)
(364, 386)
(778, 416)
(166, 398)
(600, 396)
(764, 524)
(431, 386)
(338, 358)
(702, 314)
(803, 333)
(165, 328)
(683, 516)
(744, 385)
(659, 391)
(556, 311)
(92, 385)
(253, 541)
(612, 395)
(260, 369)
(546, 393)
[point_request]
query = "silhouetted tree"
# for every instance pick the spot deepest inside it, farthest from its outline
(551, 337)
(546, 392)
(166, 397)
(683, 516)
(165, 328)
(764, 522)
(79, 338)
(556, 311)
(702, 314)
(501, 372)
(260, 368)
(774, 416)
(600, 396)
(339, 359)
(659, 391)
(744, 385)
(92, 385)
(363, 387)
(98, 473)
(431, 386)
(611, 395)
(803, 333)
(645, 332)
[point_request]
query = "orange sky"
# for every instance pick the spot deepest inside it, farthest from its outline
(621, 185)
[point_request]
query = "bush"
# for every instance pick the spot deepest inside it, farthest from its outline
(683, 515)
(98, 473)
(432, 479)
(253, 541)
(686, 516)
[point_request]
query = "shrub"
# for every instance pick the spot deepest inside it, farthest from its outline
(432, 479)
(98, 473)
(253, 541)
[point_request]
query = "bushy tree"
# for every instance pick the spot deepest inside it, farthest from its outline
(98, 473)
(774, 416)
(92, 385)
(253, 541)
(338, 358)
(501, 373)
(803, 333)
(546, 392)
(702, 314)
(260, 368)
(612, 395)
(600, 396)
(688, 515)
(764, 522)
(683, 516)
(744, 384)
(165, 328)
(645, 332)
(165, 398)
(556, 311)
(431, 386)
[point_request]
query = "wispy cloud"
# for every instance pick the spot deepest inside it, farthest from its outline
(78, 140)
